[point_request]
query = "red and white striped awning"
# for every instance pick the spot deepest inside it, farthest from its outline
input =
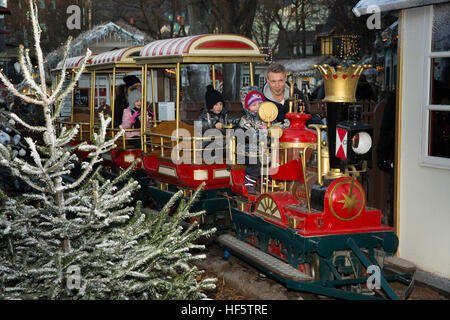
(206, 45)
(124, 56)
(72, 63)
(166, 47)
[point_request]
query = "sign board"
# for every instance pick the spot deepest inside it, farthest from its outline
(66, 109)
(81, 98)
(166, 111)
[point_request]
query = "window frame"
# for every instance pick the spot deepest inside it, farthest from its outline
(427, 107)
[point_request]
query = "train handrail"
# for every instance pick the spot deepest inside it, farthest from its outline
(193, 148)
(192, 140)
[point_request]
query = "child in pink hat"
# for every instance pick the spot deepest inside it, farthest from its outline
(251, 100)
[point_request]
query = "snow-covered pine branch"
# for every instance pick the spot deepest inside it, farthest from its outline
(86, 221)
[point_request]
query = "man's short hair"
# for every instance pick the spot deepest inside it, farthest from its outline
(276, 68)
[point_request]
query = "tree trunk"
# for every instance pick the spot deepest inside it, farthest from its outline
(198, 75)
(303, 28)
(238, 19)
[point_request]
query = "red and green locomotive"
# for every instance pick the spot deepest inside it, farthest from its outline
(310, 227)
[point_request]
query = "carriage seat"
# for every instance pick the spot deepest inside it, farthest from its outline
(167, 128)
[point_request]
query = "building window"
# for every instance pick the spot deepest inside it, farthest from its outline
(436, 115)
(327, 46)
(309, 49)
(42, 4)
(439, 131)
(262, 81)
(246, 80)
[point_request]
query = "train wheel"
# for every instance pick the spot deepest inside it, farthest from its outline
(253, 240)
(311, 268)
(314, 267)
(305, 268)
(275, 248)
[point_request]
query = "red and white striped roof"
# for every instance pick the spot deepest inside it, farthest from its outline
(72, 63)
(202, 45)
(115, 56)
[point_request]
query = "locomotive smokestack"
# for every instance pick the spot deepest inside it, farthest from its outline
(340, 89)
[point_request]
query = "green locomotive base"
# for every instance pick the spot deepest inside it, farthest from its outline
(338, 261)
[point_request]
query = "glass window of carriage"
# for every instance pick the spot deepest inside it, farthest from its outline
(437, 109)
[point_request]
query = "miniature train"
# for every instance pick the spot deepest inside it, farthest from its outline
(309, 226)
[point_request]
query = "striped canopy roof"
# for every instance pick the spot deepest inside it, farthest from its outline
(214, 46)
(72, 63)
(119, 56)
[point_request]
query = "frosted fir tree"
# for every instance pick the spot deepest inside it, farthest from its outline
(82, 238)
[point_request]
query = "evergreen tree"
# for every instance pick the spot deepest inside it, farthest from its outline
(81, 238)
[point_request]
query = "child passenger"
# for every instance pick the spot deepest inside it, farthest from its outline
(131, 118)
(251, 99)
(214, 115)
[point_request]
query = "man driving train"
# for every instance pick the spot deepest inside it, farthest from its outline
(277, 90)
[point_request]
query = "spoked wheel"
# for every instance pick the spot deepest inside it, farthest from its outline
(268, 207)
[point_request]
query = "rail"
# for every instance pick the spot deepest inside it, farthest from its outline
(189, 148)
(84, 132)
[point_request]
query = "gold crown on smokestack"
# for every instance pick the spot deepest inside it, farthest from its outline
(340, 85)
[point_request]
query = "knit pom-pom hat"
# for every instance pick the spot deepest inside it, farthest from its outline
(252, 97)
(130, 80)
(212, 96)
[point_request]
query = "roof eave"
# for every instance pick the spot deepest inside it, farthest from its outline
(364, 7)
(199, 59)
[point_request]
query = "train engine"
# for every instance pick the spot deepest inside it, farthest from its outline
(310, 227)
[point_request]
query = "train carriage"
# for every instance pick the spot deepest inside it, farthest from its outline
(173, 150)
(75, 109)
(170, 149)
(107, 69)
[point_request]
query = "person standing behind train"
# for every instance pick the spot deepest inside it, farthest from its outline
(277, 91)
(121, 102)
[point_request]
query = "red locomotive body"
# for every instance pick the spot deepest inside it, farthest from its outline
(310, 227)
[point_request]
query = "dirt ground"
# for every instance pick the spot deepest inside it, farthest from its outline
(223, 290)
(237, 280)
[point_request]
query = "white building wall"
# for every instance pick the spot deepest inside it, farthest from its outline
(424, 192)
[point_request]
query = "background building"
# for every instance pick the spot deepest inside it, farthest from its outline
(422, 161)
